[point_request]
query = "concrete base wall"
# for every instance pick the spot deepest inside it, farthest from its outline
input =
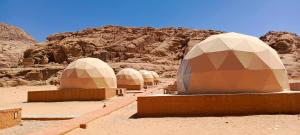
(148, 83)
(131, 87)
(295, 86)
(222, 104)
(10, 117)
(70, 95)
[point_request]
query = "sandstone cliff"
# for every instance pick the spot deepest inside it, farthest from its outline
(13, 42)
(288, 46)
(138, 47)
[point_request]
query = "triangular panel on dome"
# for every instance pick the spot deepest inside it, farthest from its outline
(82, 73)
(72, 73)
(280, 75)
(257, 63)
(231, 62)
(270, 59)
(197, 50)
(236, 44)
(244, 57)
(217, 58)
(201, 63)
(214, 46)
(272, 84)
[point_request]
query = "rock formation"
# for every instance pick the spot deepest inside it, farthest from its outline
(141, 48)
(159, 50)
(288, 46)
(13, 42)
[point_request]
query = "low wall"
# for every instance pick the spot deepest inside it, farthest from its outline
(70, 95)
(131, 87)
(222, 104)
(295, 86)
(148, 83)
(10, 117)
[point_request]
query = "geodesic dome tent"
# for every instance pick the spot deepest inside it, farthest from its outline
(88, 73)
(155, 76)
(130, 78)
(148, 77)
(231, 63)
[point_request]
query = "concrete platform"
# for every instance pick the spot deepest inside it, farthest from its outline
(49, 117)
(295, 85)
(135, 91)
(10, 117)
(71, 95)
(218, 104)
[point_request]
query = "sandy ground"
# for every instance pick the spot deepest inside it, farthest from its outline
(123, 122)
(26, 127)
(17, 97)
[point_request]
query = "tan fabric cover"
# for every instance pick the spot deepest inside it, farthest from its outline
(147, 76)
(231, 63)
(129, 76)
(155, 76)
(88, 73)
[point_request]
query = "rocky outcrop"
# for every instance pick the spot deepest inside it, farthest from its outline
(13, 42)
(288, 46)
(119, 44)
(39, 75)
(141, 48)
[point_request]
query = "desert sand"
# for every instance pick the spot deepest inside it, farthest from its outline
(27, 127)
(17, 97)
(124, 122)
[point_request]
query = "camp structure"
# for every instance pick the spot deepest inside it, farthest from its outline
(155, 77)
(148, 77)
(10, 117)
(231, 63)
(83, 79)
(226, 74)
(88, 73)
(130, 79)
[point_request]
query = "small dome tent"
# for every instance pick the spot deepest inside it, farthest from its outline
(148, 77)
(130, 79)
(88, 73)
(155, 77)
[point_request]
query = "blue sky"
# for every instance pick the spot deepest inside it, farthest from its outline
(255, 17)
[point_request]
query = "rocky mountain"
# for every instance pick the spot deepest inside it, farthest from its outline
(140, 48)
(288, 46)
(137, 47)
(13, 42)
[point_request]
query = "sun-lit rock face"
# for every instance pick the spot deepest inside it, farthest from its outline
(231, 63)
(147, 76)
(88, 73)
(130, 78)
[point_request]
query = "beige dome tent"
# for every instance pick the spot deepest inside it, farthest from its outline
(155, 77)
(147, 76)
(130, 79)
(231, 63)
(88, 73)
